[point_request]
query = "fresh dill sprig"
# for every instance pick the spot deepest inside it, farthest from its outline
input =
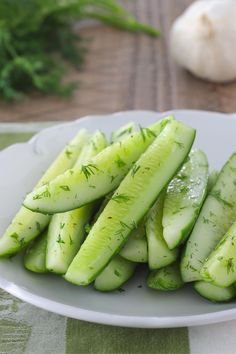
(120, 198)
(65, 188)
(36, 34)
(44, 194)
(135, 169)
(89, 170)
(146, 132)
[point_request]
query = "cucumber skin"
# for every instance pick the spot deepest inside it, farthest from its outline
(195, 194)
(212, 180)
(115, 274)
(121, 133)
(27, 225)
(165, 279)
(200, 287)
(159, 255)
(84, 268)
(219, 268)
(215, 218)
(35, 256)
(109, 167)
(135, 249)
(67, 230)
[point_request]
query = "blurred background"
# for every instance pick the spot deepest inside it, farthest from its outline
(125, 71)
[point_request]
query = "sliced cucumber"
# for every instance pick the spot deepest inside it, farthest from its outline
(65, 235)
(34, 258)
(27, 225)
(184, 198)
(216, 216)
(167, 278)
(67, 230)
(212, 180)
(220, 267)
(214, 293)
(123, 132)
(116, 273)
(135, 249)
(159, 255)
(66, 159)
(95, 179)
(131, 201)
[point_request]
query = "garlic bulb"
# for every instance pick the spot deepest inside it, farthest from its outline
(203, 39)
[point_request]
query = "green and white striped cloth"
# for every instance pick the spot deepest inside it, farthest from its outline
(25, 329)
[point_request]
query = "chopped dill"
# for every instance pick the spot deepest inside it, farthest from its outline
(135, 169)
(62, 224)
(65, 188)
(38, 226)
(120, 198)
(68, 153)
(89, 170)
(119, 162)
(44, 194)
(59, 239)
(230, 265)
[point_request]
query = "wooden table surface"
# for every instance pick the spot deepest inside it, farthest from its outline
(128, 71)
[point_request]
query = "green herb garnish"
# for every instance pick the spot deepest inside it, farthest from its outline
(89, 170)
(44, 194)
(120, 198)
(65, 188)
(135, 169)
(59, 239)
(119, 162)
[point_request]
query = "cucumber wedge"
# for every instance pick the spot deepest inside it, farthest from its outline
(159, 255)
(184, 198)
(116, 273)
(27, 225)
(212, 180)
(67, 230)
(65, 235)
(95, 179)
(34, 259)
(131, 201)
(123, 132)
(165, 279)
(214, 293)
(135, 249)
(215, 218)
(220, 267)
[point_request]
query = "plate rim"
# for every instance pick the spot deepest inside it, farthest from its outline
(114, 319)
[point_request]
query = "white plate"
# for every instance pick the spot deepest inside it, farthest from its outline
(21, 166)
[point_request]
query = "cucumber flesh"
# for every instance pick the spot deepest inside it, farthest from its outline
(159, 255)
(131, 201)
(167, 278)
(216, 217)
(220, 267)
(115, 274)
(214, 293)
(123, 132)
(67, 230)
(212, 180)
(34, 259)
(184, 198)
(27, 225)
(65, 236)
(103, 173)
(135, 249)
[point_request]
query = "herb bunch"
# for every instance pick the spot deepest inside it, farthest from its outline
(36, 34)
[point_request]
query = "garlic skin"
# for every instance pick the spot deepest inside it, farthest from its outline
(203, 40)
